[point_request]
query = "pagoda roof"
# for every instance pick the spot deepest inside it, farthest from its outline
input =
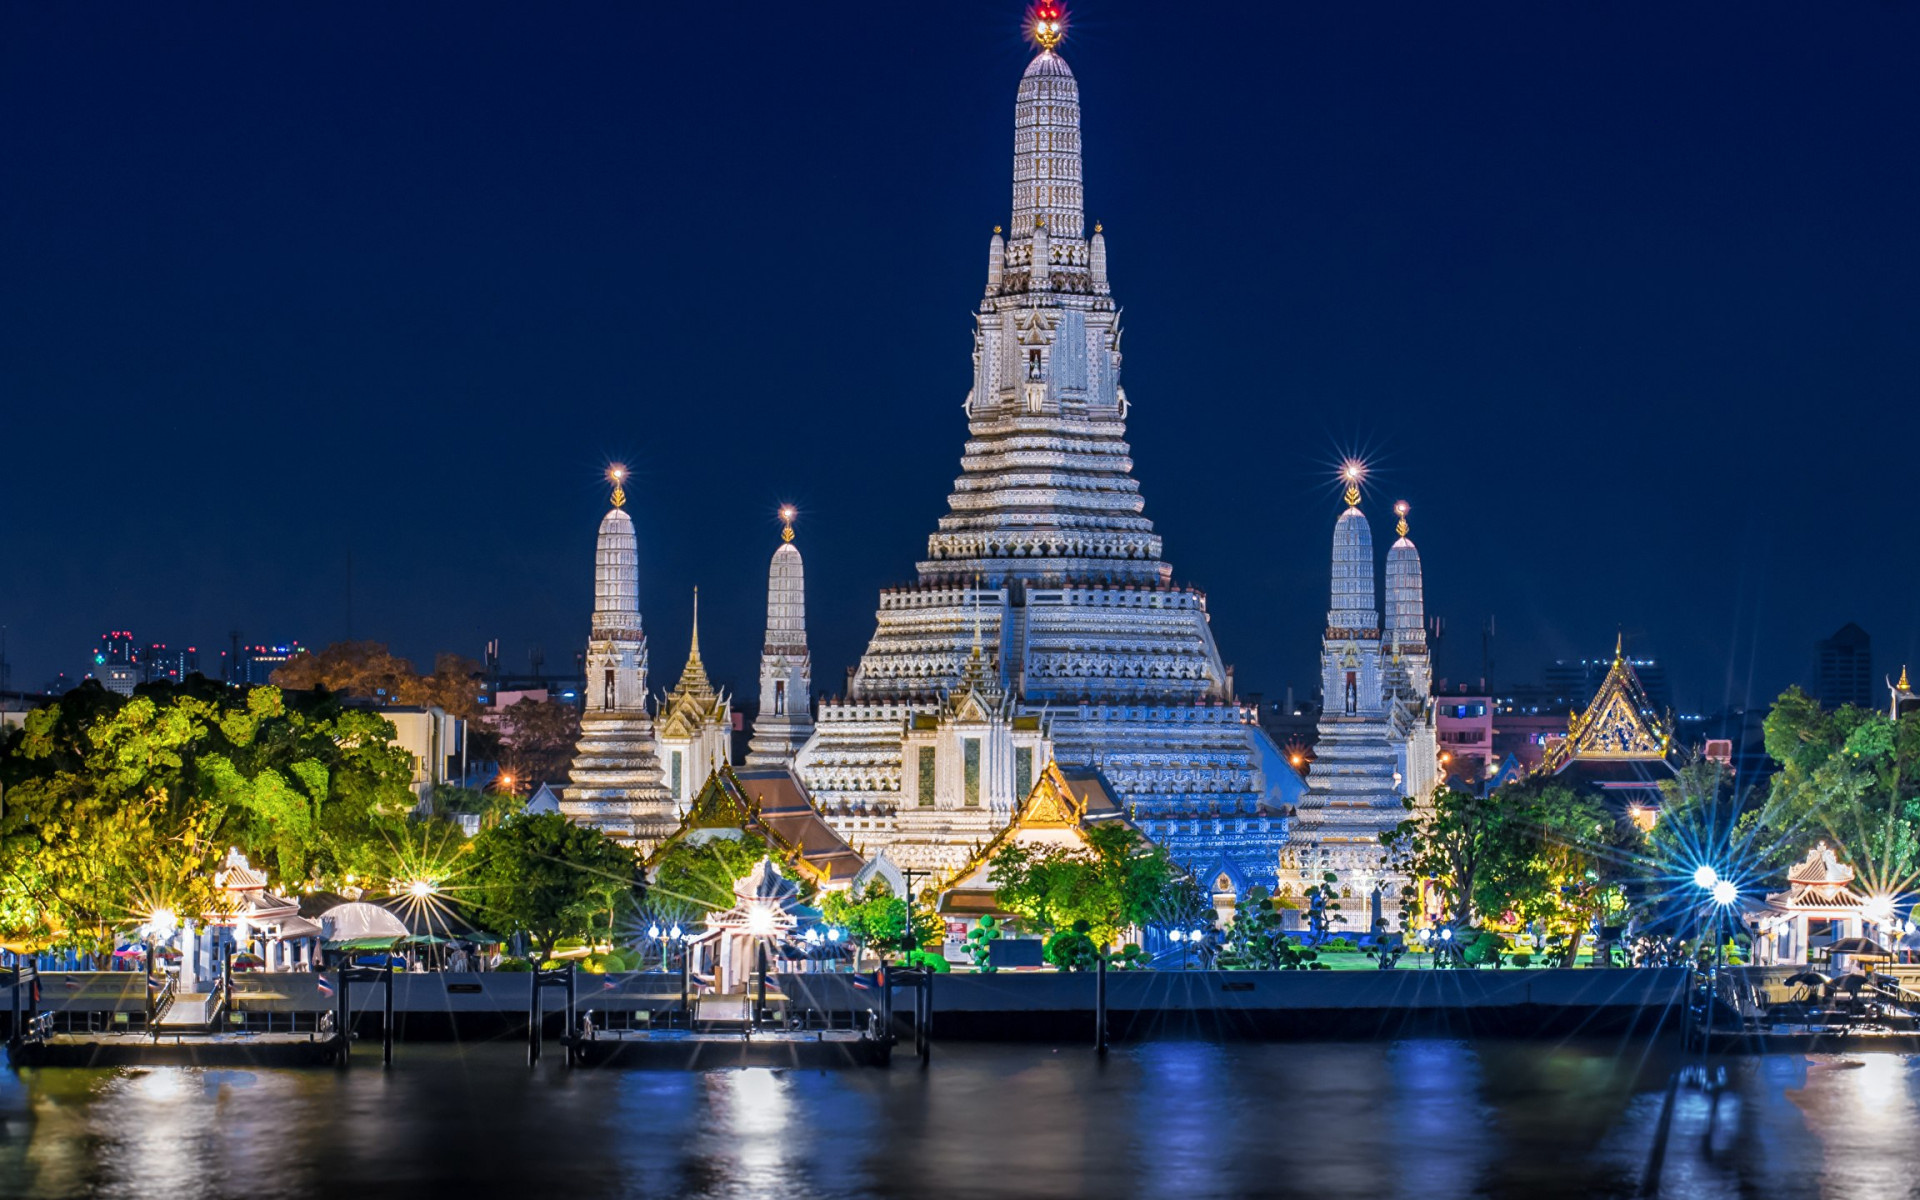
(772, 805)
(1052, 815)
(1619, 726)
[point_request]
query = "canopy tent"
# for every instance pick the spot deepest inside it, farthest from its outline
(356, 920)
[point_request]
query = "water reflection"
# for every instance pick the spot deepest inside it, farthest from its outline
(1433, 1119)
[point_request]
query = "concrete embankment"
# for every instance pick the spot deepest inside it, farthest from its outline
(1004, 1006)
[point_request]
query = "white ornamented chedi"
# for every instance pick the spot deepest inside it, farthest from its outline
(1376, 746)
(694, 733)
(1044, 622)
(615, 784)
(785, 720)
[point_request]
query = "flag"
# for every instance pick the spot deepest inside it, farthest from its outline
(71, 982)
(609, 985)
(326, 989)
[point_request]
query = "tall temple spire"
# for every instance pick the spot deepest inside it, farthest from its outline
(1046, 137)
(693, 677)
(615, 783)
(1352, 610)
(785, 720)
(1406, 600)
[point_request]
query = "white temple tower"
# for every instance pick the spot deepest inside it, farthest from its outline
(1046, 554)
(1376, 744)
(615, 783)
(785, 720)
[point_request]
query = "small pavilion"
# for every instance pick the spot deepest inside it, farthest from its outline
(768, 804)
(1819, 907)
(288, 940)
(766, 914)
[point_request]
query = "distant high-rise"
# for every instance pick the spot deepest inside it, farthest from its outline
(251, 665)
(163, 663)
(116, 662)
(1843, 669)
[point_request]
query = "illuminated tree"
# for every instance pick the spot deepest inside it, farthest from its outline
(545, 877)
(1117, 881)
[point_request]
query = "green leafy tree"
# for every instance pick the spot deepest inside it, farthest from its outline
(692, 879)
(545, 877)
(1256, 941)
(980, 940)
(1072, 949)
(1117, 881)
(116, 807)
(1850, 776)
(877, 920)
(1464, 841)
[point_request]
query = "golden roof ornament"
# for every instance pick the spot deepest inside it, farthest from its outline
(1046, 24)
(1903, 685)
(786, 518)
(617, 474)
(1355, 473)
(1401, 508)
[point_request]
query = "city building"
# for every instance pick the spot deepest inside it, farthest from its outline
(434, 739)
(250, 666)
(162, 663)
(1044, 621)
(116, 662)
(1377, 745)
(1843, 669)
(784, 720)
(1464, 729)
(615, 783)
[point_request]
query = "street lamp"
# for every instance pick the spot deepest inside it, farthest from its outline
(1723, 893)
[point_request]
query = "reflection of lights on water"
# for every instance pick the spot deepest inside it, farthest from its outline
(757, 1108)
(161, 1084)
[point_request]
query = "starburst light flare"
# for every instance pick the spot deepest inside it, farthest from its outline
(1353, 473)
(1046, 24)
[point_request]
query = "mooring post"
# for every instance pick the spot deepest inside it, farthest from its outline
(533, 1016)
(570, 1044)
(760, 1004)
(686, 971)
(13, 1029)
(925, 1023)
(886, 1005)
(386, 1020)
(1100, 1006)
(343, 1015)
(226, 984)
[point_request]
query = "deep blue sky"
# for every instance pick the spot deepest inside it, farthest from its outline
(1624, 297)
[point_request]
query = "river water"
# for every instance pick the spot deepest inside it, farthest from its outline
(1432, 1119)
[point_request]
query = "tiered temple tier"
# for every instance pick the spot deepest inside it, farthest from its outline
(616, 783)
(1051, 644)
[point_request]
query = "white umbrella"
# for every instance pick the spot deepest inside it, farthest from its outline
(350, 922)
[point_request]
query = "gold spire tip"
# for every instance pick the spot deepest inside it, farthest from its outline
(1903, 685)
(1354, 472)
(1401, 508)
(787, 515)
(1046, 24)
(617, 475)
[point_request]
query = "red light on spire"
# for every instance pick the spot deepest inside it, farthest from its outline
(1046, 23)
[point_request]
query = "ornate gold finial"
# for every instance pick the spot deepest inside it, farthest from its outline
(1903, 685)
(695, 652)
(1354, 472)
(786, 518)
(1401, 508)
(1040, 221)
(1619, 645)
(1046, 23)
(1098, 227)
(618, 474)
(996, 231)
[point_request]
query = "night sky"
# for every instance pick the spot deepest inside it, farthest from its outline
(1623, 297)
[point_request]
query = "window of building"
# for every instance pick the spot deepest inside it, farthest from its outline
(926, 777)
(779, 697)
(970, 748)
(1022, 772)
